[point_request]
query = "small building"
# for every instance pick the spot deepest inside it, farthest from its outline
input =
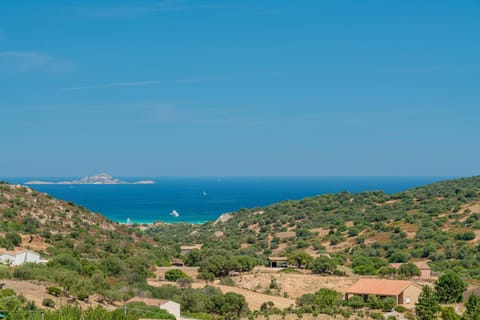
(184, 250)
(469, 292)
(425, 272)
(278, 262)
(16, 258)
(176, 262)
(170, 306)
(405, 292)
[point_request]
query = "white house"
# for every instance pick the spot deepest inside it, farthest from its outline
(170, 306)
(16, 258)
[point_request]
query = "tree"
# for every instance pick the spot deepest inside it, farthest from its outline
(234, 303)
(184, 283)
(327, 299)
(448, 313)
(450, 288)
(14, 238)
(300, 258)
(207, 276)
(193, 258)
(175, 274)
(408, 270)
(356, 302)
(323, 265)
(427, 306)
(472, 306)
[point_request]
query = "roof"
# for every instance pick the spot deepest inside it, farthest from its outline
(195, 246)
(176, 261)
(277, 258)
(381, 287)
(17, 252)
(149, 301)
(422, 265)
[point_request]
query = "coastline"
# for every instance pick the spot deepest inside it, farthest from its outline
(202, 200)
(157, 222)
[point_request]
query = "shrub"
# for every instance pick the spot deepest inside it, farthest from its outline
(175, 274)
(227, 281)
(47, 302)
(400, 309)
(54, 291)
(377, 316)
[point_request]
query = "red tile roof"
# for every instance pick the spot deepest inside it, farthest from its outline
(380, 287)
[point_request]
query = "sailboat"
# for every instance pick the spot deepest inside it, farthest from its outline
(174, 213)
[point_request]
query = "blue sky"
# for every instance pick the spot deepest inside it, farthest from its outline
(226, 88)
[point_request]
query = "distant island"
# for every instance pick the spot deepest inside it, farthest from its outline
(101, 178)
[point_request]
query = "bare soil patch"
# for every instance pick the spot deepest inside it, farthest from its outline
(36, 291)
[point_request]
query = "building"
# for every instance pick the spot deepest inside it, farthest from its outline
(184, 250)
(176, 262)
(278, 262)
(425, 272)
(469, 292)
(405, 292)
(167, 305)
(16, 258)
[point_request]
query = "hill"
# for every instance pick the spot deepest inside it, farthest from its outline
(91, 256)
(439, 222)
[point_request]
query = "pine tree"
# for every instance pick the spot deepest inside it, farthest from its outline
(450, 288)
(427, 306)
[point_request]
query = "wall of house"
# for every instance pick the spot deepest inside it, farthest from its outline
(425, 274)
(32, 257)
(172, 307)
(410, 295)
(6, 258)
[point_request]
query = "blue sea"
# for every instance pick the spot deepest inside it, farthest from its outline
(198, 200)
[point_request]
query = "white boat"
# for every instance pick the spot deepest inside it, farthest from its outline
(174, 213)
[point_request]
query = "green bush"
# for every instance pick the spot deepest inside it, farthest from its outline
(47, 302)
(175, 274)
(400, 309)
(54, 291)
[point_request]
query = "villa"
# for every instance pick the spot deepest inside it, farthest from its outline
(406, 293)
(16, 258)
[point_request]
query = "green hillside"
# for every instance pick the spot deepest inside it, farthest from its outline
(439, 222)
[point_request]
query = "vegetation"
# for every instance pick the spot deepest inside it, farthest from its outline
(88, 254)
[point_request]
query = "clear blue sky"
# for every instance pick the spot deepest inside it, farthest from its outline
(225, 87)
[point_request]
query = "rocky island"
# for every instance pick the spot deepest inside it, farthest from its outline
(102, 178)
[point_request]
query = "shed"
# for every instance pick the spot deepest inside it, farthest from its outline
(278, 262)
(184, 250)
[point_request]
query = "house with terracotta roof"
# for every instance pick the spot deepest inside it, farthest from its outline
(170, 306)
(405, 292)
(16, 258)
(425, 272)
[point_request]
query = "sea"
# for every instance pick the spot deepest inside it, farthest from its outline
(198, 200)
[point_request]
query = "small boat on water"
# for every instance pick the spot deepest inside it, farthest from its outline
(174, 213)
